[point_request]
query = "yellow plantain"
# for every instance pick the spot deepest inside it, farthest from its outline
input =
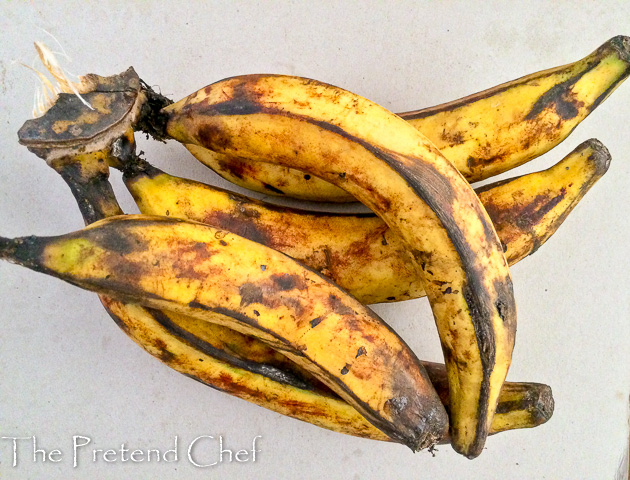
(247, 368)
(539, 203)
(484, 134)
(194, 353)
(259, 383)
(390, 167)
(219, 277)
(358, 251)
(191, 347)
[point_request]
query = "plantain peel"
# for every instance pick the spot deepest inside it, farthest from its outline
(483, 134)
(539, 203)
(200, 271)
(503, 127)
(195, 349)
(389, 166)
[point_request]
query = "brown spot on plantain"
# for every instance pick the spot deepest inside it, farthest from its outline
(236, 168)
(295, 304)
(316, 321)
(361, 249)
(250, 293)
(214, 137)
(337, 305)
(559, 98)
(244, 226)
(228, 384)
(520, 218)
(189, 256)
(452, 138)
(380, 200)
(286, 281)
(119, 240)
(532, 213)
(481, 160)
(248, 212)
(163, 353)
(118, 244)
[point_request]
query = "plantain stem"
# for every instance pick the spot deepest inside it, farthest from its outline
(133, 165)
(151, 120)
(125, 159)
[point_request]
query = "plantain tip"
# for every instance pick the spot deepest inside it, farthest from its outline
(545, 405)
(23, 251)
(621, 44)
(7, 248)
(471, 449)
(472, 453)
(600, 156)
(434, 426)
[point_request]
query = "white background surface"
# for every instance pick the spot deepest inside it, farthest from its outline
(66, 369)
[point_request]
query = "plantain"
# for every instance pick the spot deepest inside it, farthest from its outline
(521, 405)
(483, 134)
(358, 251)
(189, 346)
(390, 167)
(219, 277)
(247, 368)
(192, 352)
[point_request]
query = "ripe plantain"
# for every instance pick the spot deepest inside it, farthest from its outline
(193, 353)
(245, 367)
(484, 134)
(358, 251)
(390, 167)
(190, 347)
(197, 270)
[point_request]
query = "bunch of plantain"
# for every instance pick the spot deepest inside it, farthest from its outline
(268, 303)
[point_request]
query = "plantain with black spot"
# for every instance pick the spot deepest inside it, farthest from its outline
(358, 251)
(483, 134)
